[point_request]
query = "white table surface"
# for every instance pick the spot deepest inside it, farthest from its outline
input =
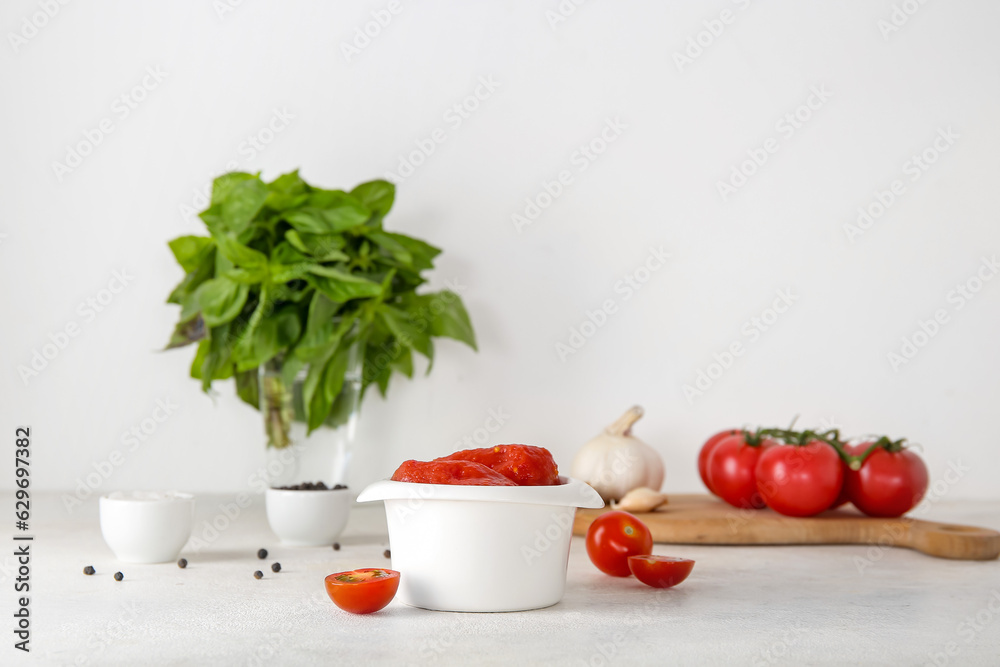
(741, 605)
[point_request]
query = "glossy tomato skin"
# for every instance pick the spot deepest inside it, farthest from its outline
(706, 449)
(362, 591)
(466, 473)
(613, 537)
(800, 480)
(852, 450)
(889, 484)
(525, 465)
(660, 571)
(731, 470)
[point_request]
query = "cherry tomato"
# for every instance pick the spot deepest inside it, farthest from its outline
(525, 465)
(706, 449)
(362, 591)
(731, 469)
(660, 571)
(613, 537)
(889, 483)
(800, 480)
(449, 472)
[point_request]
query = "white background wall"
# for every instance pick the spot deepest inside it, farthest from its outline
(656, 184)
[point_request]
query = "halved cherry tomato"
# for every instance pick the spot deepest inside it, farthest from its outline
(362, 591)
(706, 449)
(613, 537)
(660, 571)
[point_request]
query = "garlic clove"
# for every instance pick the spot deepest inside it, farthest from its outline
(642, 499)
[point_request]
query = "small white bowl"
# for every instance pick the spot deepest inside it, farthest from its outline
(481, 548)
(146, 527)
(308, 518)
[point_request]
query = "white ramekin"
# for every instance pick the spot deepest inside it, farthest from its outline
(308, 518)
(481, 548)
(146, 527)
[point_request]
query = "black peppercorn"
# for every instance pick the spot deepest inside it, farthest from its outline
(262, 554)
(119, 576)
(276, 567)
(89, 569)
(182, 563)
(258, 575)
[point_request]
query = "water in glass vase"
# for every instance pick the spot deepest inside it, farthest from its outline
(323, 456)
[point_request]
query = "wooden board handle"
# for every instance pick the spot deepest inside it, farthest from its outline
(950, 541)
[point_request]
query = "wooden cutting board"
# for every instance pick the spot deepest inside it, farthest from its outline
(703, 519)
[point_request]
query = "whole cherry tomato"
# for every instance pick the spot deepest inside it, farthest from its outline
(706, 449)
(800, 480)
(362, 591)
(891, 481)
(613, 537)
(731, 469)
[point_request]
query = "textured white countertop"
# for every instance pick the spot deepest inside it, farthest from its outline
(741, 605)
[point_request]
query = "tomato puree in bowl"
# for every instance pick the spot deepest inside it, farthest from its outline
(502, 465)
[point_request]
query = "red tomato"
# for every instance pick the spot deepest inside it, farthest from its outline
(362, 591)
(525, 465)
(731, 465)
(889, 483)
(613, 537)
(800, 480)
(660, 571)
(449, 472)
(706, 449)
(852, 450)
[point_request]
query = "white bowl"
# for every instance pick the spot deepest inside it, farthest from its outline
(308, 518)
(481, 548)
(146, 527)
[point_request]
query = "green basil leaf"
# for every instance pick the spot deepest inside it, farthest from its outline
(319, 335)
(190, 251)
(328, 388)
(406, 331)
(341, 286)
(377, 195)
(191, 282)
(396, 249)
(248, 387)
(242, 202)
(339, 216)
(221, 300)
(288, 191)
(447, 316)
(423, 253)
(274, 334)
(322, 247)
(241, 255)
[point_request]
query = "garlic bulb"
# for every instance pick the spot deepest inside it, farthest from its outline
(615, 462)
(641, 500)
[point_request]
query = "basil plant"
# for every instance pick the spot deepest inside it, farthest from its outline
(296, 276)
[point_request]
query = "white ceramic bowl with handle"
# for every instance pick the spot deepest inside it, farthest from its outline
(481, 548)
(146, 526)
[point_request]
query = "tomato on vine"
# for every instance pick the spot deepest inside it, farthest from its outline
(800, 478)
(891, 480)
(731, 468)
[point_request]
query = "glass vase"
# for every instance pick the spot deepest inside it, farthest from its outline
(293, 457)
